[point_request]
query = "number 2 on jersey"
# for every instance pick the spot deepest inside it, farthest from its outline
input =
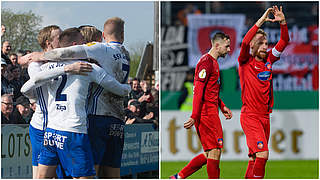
(59, 96)
(125, 69)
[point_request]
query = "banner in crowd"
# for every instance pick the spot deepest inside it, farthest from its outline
(294, 135)
(203, 27)
(174, 57)
(297, 69)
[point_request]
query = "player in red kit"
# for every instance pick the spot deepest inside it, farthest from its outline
(255, 71)
(205, 113)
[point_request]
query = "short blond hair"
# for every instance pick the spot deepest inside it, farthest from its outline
(114, 26)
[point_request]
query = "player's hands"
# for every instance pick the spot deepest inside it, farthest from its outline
(25, 60)
(130, 121)
(80, 68)
(188, 124)
(227, 112)
(278, 15)
(264, 17)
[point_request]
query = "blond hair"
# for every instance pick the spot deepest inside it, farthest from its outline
(45, 34)
(261, 31)
(91, 34)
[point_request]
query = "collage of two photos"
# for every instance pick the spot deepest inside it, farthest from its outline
(160, 89)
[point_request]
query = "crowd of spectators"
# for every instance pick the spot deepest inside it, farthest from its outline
(142, 103)
(15, 108)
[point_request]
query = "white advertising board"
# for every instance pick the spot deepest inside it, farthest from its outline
(294, 135)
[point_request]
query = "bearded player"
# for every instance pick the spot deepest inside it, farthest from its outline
(205, 112)
(257, 90)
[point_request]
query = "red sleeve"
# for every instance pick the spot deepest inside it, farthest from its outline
(245, 45)
(200, 80)
(281, 45)
(221, 104)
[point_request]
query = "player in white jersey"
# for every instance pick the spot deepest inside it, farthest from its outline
(106, 109)
(48, 39)
(65, 106)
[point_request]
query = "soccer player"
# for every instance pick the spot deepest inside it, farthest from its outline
(205, 112)
(48, 39)
(106, 114)
(66, 138)
(255, 71)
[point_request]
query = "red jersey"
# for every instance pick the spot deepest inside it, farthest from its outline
(256, 76)
(206, 87)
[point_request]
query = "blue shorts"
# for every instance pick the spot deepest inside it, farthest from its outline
(72, 150)
(107, 138)
(36, 138)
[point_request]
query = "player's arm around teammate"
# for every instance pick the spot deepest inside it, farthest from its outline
(41, 77)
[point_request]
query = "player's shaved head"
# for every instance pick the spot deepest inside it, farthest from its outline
(90, 34)
(70, 37)
(45, 35)
(114, 27)
(219, 36)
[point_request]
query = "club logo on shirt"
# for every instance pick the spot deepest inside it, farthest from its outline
(264, 76)
(220, 141)
(90, 44)
(202, 74)
(260, 144)
(269, 66)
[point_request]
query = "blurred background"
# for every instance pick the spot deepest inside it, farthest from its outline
(186, 28)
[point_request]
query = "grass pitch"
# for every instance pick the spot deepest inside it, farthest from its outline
(290, 169)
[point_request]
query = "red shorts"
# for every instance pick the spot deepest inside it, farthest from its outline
(210, 132)
(256, 127)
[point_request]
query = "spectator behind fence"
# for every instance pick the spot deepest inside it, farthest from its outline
(6, 88)
(5, 50)
(6, 109)
(14, 59)
(22, 113)
(134, 114)
(135, 92)
(188, 9)
(16, 81)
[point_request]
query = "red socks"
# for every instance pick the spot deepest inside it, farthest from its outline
(259, 168)
(194, 165)
(249, 172)
(213, 169)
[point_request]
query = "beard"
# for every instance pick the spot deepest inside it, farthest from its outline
(261, 54)
(223, 55)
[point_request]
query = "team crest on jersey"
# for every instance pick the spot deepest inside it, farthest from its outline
(220, 141)
(264, 76)
(202, 74)
(269, 66)
(260, 144)
(90, 44)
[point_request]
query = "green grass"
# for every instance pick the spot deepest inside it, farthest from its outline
(291, 169)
